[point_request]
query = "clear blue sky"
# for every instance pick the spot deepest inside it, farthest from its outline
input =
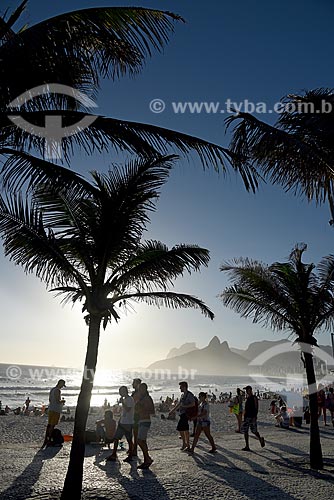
(237, 50)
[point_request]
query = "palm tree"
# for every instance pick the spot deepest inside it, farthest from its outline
(76, 49)
(84, 239)
(297, 150)
(290, 296)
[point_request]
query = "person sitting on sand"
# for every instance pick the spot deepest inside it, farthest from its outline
(187, 401)
(203, 423)
(283, 418)
(106, 428)
(56, 404)
(145, 408)
(125, 424)
(296, 416)
(273, 407)
(250, 418)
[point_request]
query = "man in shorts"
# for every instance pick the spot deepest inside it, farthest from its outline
(135, 385)
(250, 418)
(145, 408)
(187, 400)
(125, 425)
(56, 404)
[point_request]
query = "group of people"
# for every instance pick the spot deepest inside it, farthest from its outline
(26, 409)
(188, 410)
(134, 423)
(325, 398)
(135, 419)
(191, 409)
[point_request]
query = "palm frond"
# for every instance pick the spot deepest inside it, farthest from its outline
(325, 271)
(75, 47)
(28, 244)
(22, 170)
(259, 309)
(171, 300)
(70, 294)
(259, 286)
(285, 295)
(153, 264)
(296, 152)
(137, 138)
(6, 26)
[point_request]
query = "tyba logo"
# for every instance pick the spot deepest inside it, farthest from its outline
(53, 132)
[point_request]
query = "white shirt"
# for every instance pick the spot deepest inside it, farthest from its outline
(127, 414)
(55, 405)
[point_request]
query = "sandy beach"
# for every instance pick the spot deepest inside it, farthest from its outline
(280, 470)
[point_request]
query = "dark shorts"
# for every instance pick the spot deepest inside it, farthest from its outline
(247, 424)
(143, 428)
(203, 423)
(123, 430)
(183, 424)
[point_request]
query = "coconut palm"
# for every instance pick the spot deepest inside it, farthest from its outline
(290, 296)
(84, 240)
(297, 150)
(77, 49)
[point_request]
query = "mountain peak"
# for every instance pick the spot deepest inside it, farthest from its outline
(224, 345)
(184, 349)
(214, 342)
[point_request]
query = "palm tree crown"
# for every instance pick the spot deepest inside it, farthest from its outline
(84, 238)
(297, 151)
(76, 49)
(79, 47)
(291, 296)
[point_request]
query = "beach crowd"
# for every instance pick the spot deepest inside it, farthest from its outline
(136, 409)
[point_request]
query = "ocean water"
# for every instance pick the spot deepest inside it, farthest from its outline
(17, 382)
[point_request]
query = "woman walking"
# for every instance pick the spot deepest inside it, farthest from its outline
(203, 423)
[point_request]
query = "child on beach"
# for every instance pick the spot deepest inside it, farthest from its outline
(203, 423)
(106, 428)
(283, 418)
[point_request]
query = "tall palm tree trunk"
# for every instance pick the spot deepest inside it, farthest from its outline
(316, 461)
(73, 481)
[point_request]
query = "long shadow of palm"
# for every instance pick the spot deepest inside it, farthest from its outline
(22, 486)
(239, 480)
(139, 485)
(286, 448)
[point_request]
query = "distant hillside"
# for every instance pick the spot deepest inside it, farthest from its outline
(256, 348)
(184, 349)
(217, 358)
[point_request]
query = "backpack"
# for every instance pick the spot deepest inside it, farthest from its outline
(192, 412)
(57, 438)
(90, 436)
